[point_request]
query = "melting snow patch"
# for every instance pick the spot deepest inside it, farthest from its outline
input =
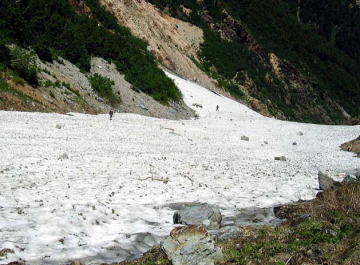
(106, 203)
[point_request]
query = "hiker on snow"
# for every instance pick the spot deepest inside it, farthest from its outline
(111, 113)
(217, 107)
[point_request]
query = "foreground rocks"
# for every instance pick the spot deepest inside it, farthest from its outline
(191, 245)
(352, 146)
(202, 214)
(326, 182)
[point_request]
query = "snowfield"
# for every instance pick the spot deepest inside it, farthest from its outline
(108, 200)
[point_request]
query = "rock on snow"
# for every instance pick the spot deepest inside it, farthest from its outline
(95, 206)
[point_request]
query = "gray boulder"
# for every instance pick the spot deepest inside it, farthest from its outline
(226, 232)
(245, 138)
(350, 179)
(191, 245)
(325, 182)
(280, 158)
(202, 214)
(300, 133)
(64, 156)
(60, 126)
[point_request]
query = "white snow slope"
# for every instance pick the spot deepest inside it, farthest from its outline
(106, 202)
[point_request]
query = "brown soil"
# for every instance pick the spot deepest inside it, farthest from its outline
(24, 97)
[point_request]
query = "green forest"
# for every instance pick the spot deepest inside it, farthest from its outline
(53, 28)
(319, 37)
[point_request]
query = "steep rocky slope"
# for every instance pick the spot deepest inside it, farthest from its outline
(294, 60)
(64, 88)
(50, 60)
(172, 41)
(264, 54)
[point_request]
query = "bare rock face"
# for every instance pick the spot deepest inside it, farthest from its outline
(191, 245)
(172, 41)
(138, 102)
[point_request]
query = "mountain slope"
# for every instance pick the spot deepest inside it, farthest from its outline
(275, 51)
(77, 32)
(109, 198)
(296, 60)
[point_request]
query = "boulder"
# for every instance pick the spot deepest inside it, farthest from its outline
(226, 232)
(300, 133)
(294, 143)
(197, 105)
(245, 138)
(280, 158)
(191, 245)
(350, 179)
(325, 182)
(354, 172)
(59, 126)
(64, 156)
(202, 214)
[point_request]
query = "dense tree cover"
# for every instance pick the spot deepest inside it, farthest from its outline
(52, 27)
(324, 44)
(337, 20)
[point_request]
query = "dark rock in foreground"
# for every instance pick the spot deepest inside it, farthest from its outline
(191, 245)
(202, 214)
(325, 182)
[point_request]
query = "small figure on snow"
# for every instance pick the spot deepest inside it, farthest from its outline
(111, 114)
(217, 107)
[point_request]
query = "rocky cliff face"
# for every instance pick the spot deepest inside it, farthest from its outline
(172, 41)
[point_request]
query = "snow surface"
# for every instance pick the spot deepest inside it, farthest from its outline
(107, 201)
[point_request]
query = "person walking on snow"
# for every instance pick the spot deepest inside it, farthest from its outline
(111, 113)
(217, 107)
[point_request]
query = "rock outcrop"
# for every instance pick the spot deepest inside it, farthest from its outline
(202, 214)
(191, 245)
(172, 41)
(352, 146)
(325, 182)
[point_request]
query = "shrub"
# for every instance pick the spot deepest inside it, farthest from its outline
(54, 28)
(327, 53)
(103, 86)
(23, 62)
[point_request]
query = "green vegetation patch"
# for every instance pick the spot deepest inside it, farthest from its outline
(53, 27)
(103, 86)
(5, 87)
(323, 46)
